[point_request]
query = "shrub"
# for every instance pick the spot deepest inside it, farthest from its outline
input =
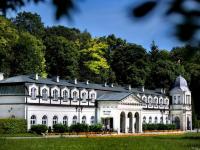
(95, 128)
(12, 126)
(39, 129)
(79, 128)
(49, 129)
(158, 127)
(60, 128)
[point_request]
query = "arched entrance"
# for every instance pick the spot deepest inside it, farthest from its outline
(188, 123)
(136, 122)
(130, 117)
(122, 122)
(177, 122)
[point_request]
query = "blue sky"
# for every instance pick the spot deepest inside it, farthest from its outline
(104, 17)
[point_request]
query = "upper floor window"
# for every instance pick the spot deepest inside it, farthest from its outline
(33, 120)
(65, 95)
(55, 120)
(55, 94)
(33, 93)
(179, 99)
(150, 101)
(174, 99)
(92, 120)
(84, 96)
(44, 120)
(144, 99)
(75, 95)
(93, 96)
(65, 120)
(84, 119)
(44, 94)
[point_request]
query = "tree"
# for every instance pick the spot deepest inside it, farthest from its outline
(154, 53)
(29, 56)
(62, 57)
(93, 60)
(8, 38)
(27, 21)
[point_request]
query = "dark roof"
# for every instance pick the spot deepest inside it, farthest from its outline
(12, 90)
(113, 96)
(48, 81)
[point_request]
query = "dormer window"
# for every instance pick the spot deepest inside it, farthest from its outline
(75, 95)
(65, 95)
(93, 97)
(55, 94)
(150, 101)
(84, 96)
(33, 93)
(44, 94)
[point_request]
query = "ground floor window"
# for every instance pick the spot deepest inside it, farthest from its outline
(55, 120)
(65, 120)
(74, 121)
(33, 120)
(92, 120)
(44, 120)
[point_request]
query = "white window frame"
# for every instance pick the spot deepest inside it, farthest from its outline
(84, 120)
(65, 120)
(55, 120)
(33, 120)
(45, 120)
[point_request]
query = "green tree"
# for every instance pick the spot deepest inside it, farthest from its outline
(29, 56)
(62, 57)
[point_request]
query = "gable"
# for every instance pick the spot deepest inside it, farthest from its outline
(131, 100)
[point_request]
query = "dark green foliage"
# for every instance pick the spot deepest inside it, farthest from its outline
(95, 128)
(60, 128)
(158, 127)
(39, 129)
(12, 126)
(79, 127)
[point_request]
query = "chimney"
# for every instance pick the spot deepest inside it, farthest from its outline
(75, 81)
(112, 85)
(36, 76)
(105, 84)
(87, 82)
(1, 76)
(57, 78)
(129, 87)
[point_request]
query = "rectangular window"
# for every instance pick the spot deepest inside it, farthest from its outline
(187, 99)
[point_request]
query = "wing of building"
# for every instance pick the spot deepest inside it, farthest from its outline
(122, 109)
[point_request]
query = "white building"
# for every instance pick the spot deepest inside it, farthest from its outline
(122, 109)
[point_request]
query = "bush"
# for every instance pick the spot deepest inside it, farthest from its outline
(95, 128)
(79, 128)
(39, 129)
(158, 127)
(60, 128)
(12, 126)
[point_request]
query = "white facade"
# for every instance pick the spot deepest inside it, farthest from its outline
(118, 109)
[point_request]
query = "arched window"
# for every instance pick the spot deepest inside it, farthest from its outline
(65, 95)
(84, 119)
(55, 94)
(33, 120)
(92, 119)
(93, 97)
(65, 120)
(84, 96)
(33, 93)
(150, 119)
(44, 120)
(55, 120)
(144, 120)
(161, 119)
(156, 120)
(44, 94)
(74, 120)
(75, 95)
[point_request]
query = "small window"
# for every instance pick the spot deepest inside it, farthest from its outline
(65, 120)
(65, 95)
(150, 119)
(44, 94)
(161, 102)
(92, 120)
(33, 120)
(84, 119)
(33, 93)
(156, 120)
(150, 102)
(84, 96)
(74, 121)
(75, 95)
(44, 120)
(55, 120)
(55, 94)
(93, 97)
(144, 120)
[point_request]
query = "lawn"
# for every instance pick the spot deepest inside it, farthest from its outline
(165, 142)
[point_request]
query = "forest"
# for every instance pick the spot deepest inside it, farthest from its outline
(27, 46)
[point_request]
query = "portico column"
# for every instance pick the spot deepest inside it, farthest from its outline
(140, 122)
(133, 125)
(126, 124)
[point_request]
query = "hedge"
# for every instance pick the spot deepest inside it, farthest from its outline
(95, 128)
(12, 126)
(158, 127)
(39, 129)
(79, 128)
(60, 128)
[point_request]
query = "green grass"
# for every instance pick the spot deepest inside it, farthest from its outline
(172, 142)
(20, 135)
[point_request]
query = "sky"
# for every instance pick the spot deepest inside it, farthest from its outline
(105, 17)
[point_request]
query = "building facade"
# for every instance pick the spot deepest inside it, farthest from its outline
(121, 109)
